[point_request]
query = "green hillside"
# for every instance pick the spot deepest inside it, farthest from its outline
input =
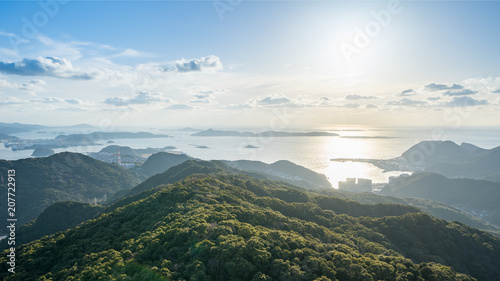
(435, 208)
(234, 227)
(62, 177)
(57, 217)
(478, 197)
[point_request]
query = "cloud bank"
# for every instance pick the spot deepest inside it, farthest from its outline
(44, 66)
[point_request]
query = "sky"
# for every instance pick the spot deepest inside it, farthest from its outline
(250, 64)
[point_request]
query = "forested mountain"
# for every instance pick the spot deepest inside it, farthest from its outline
(226, 226)
(57, 217)
(284, 170)
(61, 177)
(483, 166)
(478, 197)
(428, 153)
(452, 160)
(435, 208)
(162, 161)
(280, 170)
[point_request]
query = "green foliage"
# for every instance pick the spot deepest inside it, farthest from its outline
(435, 208)
(62, 177)
(233, 227)
(473, 196)
(57, 217)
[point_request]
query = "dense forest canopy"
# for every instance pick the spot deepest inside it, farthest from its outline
(227, 226)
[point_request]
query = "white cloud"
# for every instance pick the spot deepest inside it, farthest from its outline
(465, 102)
(142, 97)
(358, 97)
(44, 66)
(439, 87)
(406, 102)
(209, 63)
(49, 100)
(433, 98)
(274, 100)
(407, 93)
(463, 92)
(33, 86)
(4, 84)
(202, 97)
(11, 100)
(180, 107)
(73, 101)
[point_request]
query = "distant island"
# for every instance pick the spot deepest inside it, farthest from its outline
(64, 141)
(42, 151)
(94, 137)
(221, 133)
(9, 128)
(251, 146)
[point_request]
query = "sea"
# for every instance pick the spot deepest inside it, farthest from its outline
(314, 153)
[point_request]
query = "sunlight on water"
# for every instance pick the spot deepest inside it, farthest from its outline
(354, 148)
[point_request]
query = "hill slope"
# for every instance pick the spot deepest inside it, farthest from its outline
(284, 170)
(61, 177)
(57, 217)
(435, 208)
(162, 161)
(234, 227)
(474, 196)
(280, 170)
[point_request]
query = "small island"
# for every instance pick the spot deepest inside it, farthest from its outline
(251, 146)
(42, 151)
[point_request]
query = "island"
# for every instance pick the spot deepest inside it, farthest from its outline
(93, 138)
(42, 151)
(222, 133)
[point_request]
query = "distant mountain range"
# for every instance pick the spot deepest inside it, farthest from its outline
(9, 128)
(220, 133)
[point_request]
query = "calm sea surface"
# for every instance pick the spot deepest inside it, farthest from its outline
(311, 152)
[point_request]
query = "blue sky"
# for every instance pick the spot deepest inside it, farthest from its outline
(235, 64)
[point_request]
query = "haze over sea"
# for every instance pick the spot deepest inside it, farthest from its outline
(311, 152)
